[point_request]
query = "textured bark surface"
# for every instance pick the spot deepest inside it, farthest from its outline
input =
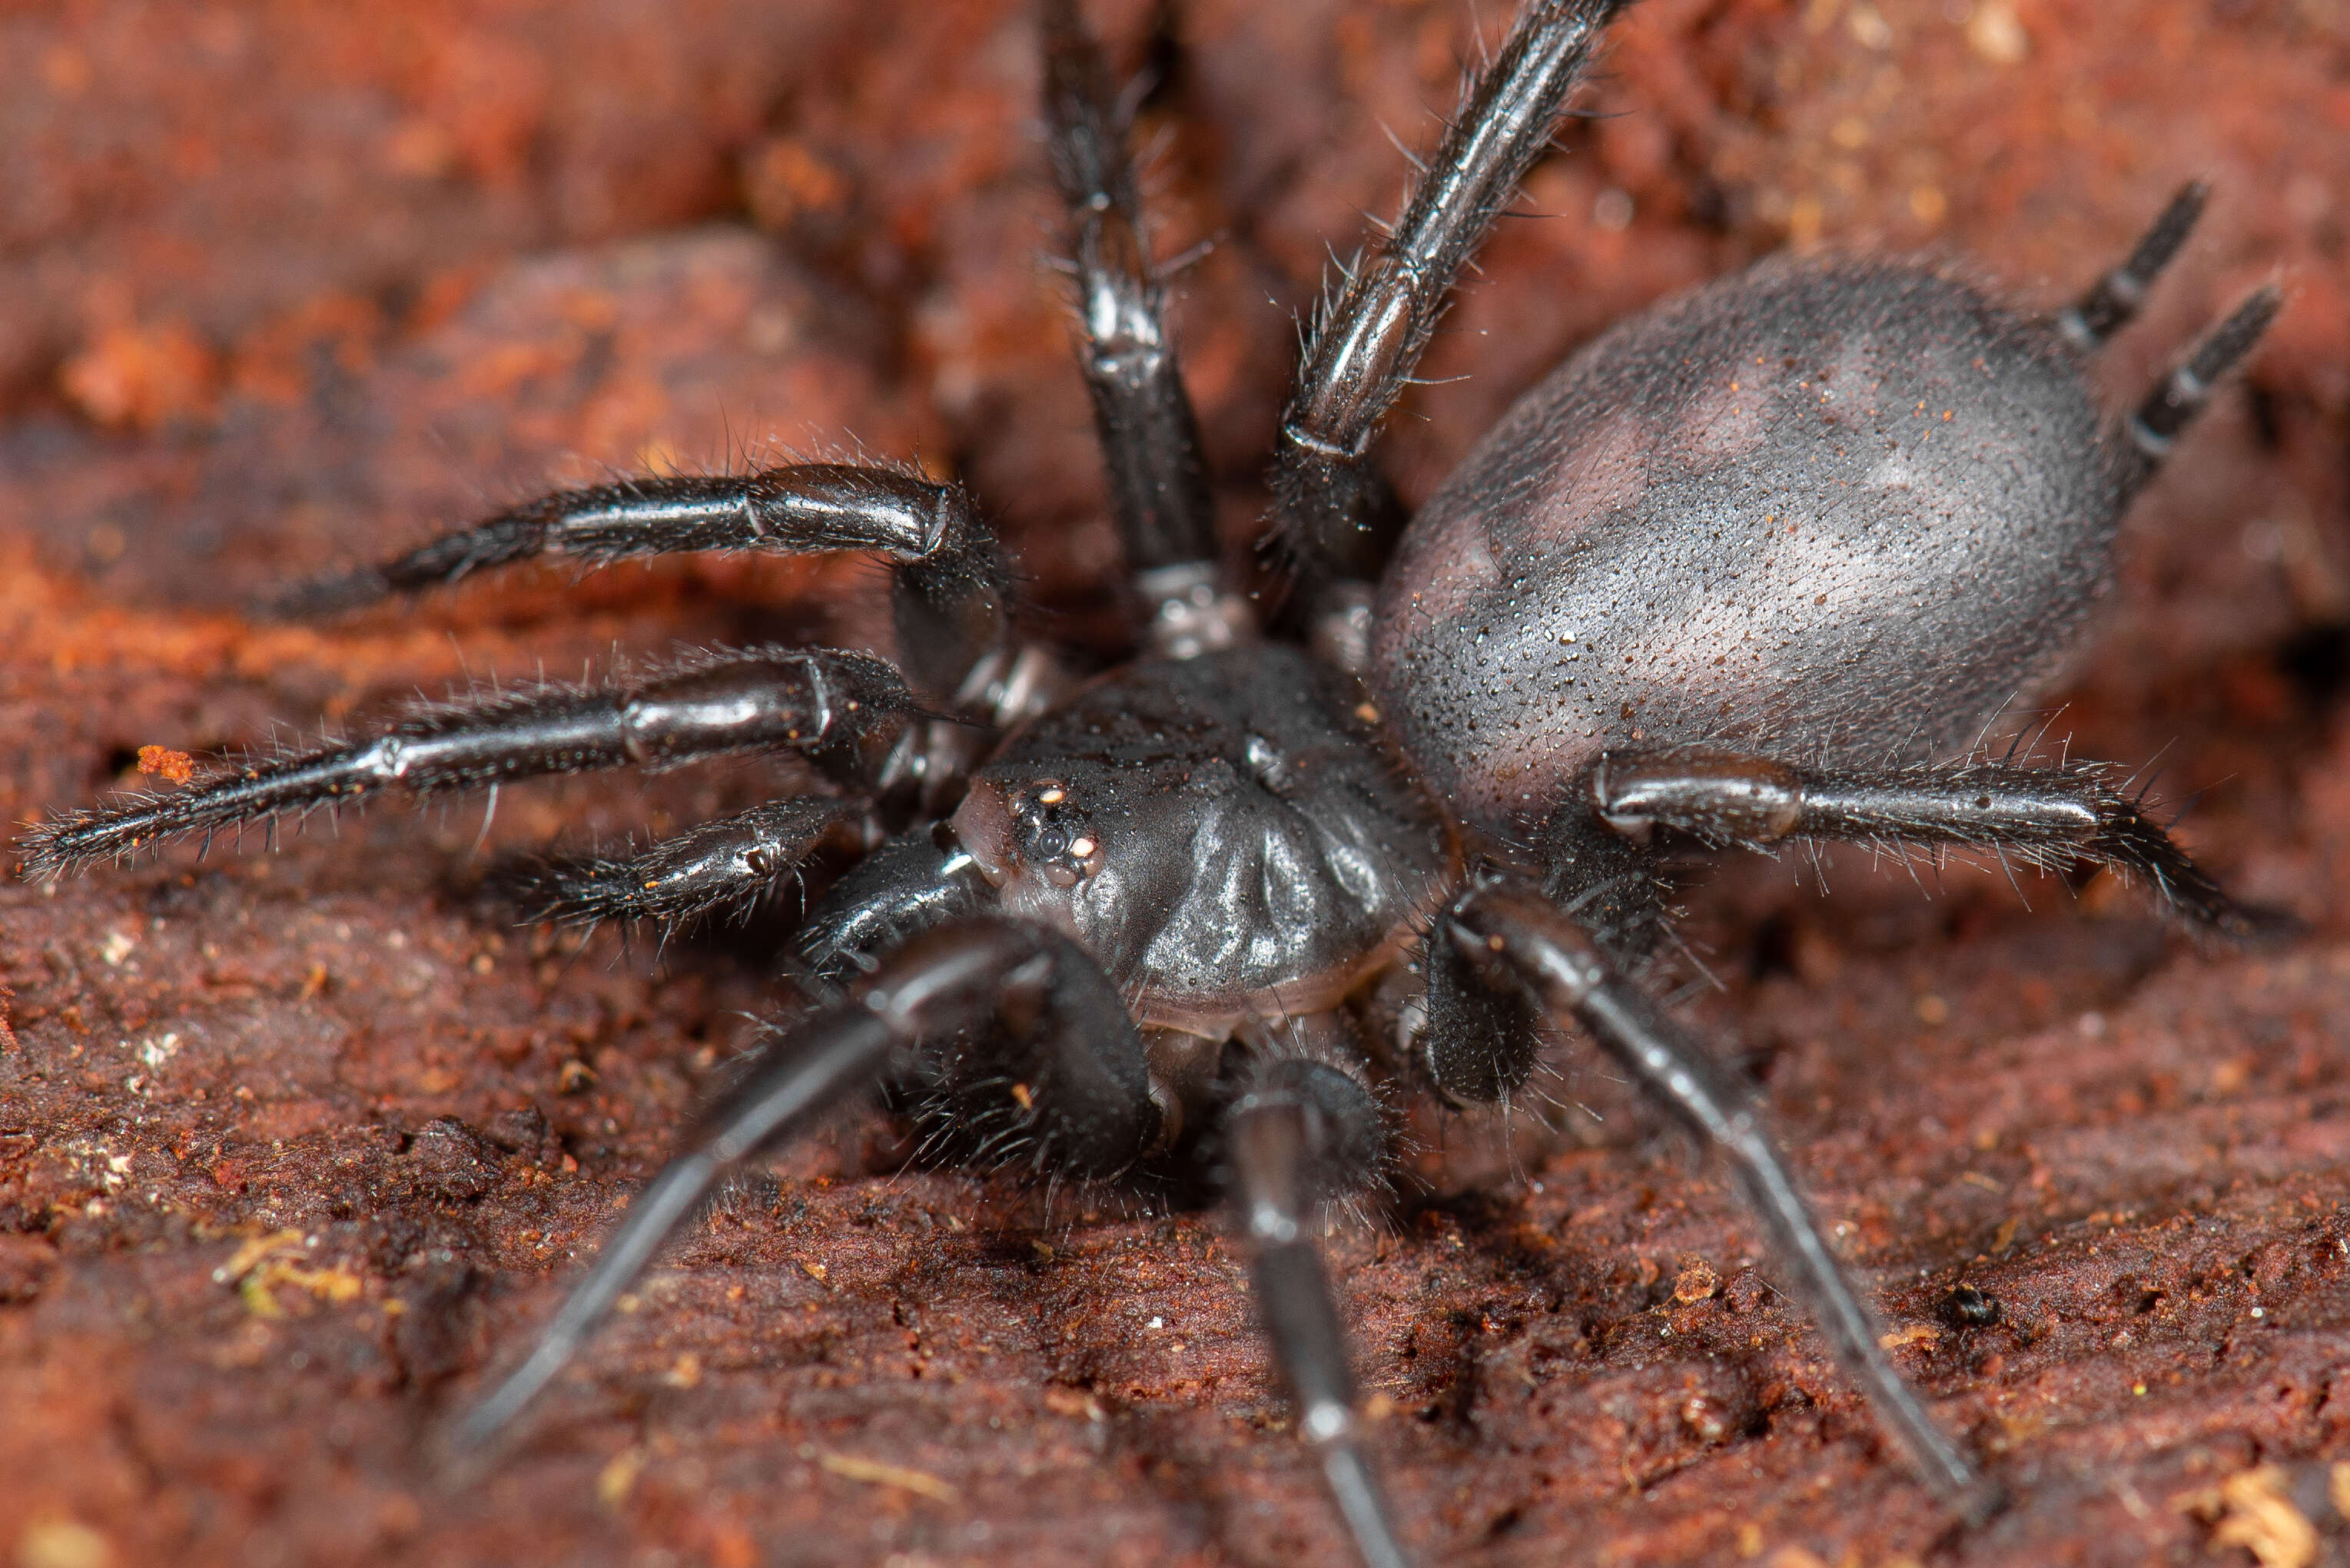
(293, 1144)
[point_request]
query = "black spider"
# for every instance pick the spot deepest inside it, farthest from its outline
(1734, 577)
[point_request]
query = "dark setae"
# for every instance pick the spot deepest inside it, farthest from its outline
(1750, 570)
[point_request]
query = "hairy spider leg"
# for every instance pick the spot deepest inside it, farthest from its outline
(2113, 301)
(1494, 982)
(718, 866)
(947, 584)
(918, 879)
(841, 708)
(1079, 1062)
(2052, 817)
(1149, 436)
(1302, 1129)
(2173, 405)
(1514, 937)
(1334, 517)
(1300, 1133)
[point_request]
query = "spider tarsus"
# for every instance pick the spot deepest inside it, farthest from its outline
(322, 598)
(253, 793)
(715, 868)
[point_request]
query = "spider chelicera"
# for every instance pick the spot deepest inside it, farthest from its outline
(1741, 574)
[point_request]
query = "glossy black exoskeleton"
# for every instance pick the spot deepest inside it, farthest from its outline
(1756, 568)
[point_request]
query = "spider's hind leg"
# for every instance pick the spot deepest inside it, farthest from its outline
(2173, 405)
(2113, 301)
(2053, 818)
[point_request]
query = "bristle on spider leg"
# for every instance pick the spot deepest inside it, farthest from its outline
(1562, 967)
(254, 794)
(944, 980)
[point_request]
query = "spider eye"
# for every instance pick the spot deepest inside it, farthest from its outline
(1053, 842)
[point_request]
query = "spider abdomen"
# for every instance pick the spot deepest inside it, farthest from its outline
(1853, 503)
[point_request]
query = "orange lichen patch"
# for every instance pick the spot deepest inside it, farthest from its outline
(177, 766)
(619, 1476)
(144, 377)
(1696, 1281)
(53, 1542)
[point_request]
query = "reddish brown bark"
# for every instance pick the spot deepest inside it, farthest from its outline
(284, 286)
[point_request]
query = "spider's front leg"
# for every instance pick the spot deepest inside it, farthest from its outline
(1149, 435)
(949, 589)
(1015, 1020)
(947, 584)
(851, 711)
(843, 709)
(1507, 939)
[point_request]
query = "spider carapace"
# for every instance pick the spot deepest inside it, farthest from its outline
(1747, 571)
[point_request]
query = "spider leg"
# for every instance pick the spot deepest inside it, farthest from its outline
(711, 867)
(2113, 299)
(916, 880)
(1068, 1035)
(1301, 1132)
(2052, 817)
(2172, 406)
(1330, 504)
(1149, 435)
(842, 709)
(948, 585)
(1514, 937)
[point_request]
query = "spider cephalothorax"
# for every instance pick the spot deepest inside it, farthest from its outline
(1742, 573)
